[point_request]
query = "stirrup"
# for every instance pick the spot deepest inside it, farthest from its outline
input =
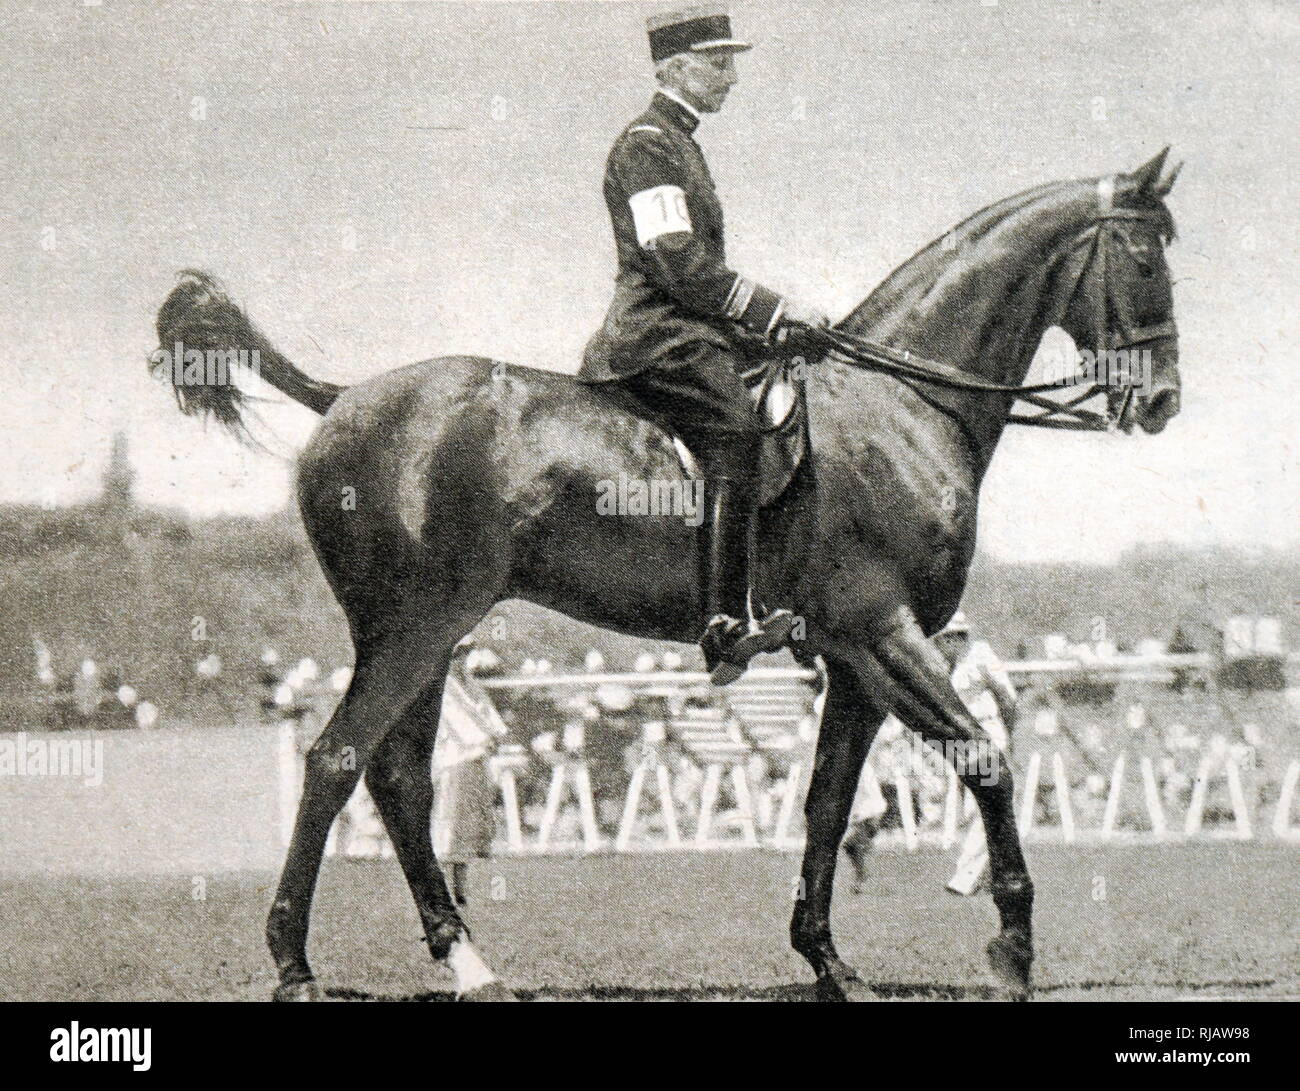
(729, 644)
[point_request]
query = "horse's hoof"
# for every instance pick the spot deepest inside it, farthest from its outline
(1010, 962)
(298, 992)
(491, 993)
(849, 989)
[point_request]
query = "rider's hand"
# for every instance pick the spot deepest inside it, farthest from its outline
(791, 333)
(798, 315)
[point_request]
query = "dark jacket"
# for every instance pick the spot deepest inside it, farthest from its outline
(674, 289)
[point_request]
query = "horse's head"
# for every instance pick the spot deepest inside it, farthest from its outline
(1120, 311)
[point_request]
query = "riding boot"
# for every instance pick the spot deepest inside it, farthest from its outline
(732, 636)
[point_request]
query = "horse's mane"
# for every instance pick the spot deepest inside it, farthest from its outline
(924, 268)
(948, 256)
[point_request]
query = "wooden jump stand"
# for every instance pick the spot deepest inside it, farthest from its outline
(509, 787)
(791, 789)
(570, 771)
(1060, 783)
(650, 766)
(1221, 759)
(1282, 827)
(710, 791)
(1150, 796)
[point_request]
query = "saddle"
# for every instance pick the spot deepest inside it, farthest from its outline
(779, 397)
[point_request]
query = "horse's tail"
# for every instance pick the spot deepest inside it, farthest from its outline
(198, 316)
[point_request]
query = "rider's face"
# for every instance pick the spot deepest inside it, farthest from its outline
(709, 78)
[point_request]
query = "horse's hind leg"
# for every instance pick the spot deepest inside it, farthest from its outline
(388, 677)
(927, 702)
(849, 723)
(399, 778)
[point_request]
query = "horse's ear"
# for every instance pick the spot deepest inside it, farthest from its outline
(1146, 176)
(1166, 183)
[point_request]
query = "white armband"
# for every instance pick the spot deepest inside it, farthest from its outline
(659, 211)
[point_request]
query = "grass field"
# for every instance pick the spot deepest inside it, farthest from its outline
(1115, 923)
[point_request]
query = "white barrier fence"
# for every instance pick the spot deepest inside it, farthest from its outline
(651, 819)
(705, 798)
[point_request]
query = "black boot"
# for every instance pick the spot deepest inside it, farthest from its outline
(731, 636)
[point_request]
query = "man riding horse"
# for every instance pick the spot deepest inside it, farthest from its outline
(682, 324)
(480, 483)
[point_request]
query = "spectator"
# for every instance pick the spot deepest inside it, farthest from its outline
(467, 737)
(986, 690)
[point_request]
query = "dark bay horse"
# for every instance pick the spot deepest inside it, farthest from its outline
(434, 491)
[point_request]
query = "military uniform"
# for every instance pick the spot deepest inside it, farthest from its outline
(681, 322)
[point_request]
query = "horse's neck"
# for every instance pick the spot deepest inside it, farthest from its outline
(977, 302)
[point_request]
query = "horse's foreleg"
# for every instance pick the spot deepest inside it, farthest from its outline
(386, 680)
(927, 702)
(400, 781)
(849, 723)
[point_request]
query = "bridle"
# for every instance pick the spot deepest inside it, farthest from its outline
(1066, 415)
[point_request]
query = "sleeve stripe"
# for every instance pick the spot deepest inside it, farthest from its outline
(776, 318)
(731, 299)
(742, 291)
(746, 295)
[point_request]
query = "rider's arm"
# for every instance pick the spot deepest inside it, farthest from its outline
(667, 212)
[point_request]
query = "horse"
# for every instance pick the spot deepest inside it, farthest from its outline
(437, 490)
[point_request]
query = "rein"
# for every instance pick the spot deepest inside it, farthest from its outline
(1064, 415)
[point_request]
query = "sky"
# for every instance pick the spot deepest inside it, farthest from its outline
(380, 183)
